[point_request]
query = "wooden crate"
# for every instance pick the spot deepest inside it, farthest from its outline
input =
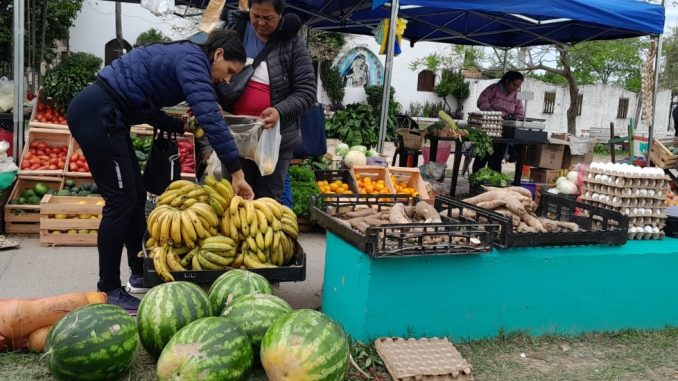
(411, 177)
(34, 122)
(374, 172)
(53, 138)
(78, 181)
(74, 147)
(661, 155)
(25, 219)
(65, 215)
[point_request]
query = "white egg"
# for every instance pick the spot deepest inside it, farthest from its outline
(637, 192)
(655, 229)
(633, 229)
(658, 212)
(635, 211)
(595, 196)
(616, 200)
(643, 192)
(598, 177)
(647, 229)
(627, 211)
(604, 178)
(619, 181)
(650, 192)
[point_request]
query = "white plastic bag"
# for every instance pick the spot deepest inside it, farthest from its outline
(159, 7)
(246, 137)
(214, 166)
(268, 150)
(6, 94)
(7, 165)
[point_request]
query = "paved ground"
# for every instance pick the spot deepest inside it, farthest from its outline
(36, 271)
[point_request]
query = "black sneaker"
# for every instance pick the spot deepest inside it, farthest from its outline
(121, 298)
(135, 284)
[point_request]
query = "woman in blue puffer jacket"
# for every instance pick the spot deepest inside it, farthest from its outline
(132, 90)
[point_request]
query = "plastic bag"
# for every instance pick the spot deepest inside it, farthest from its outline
(246, 137)
(159, 7)
(7, 165)
(6, 94)
(213, 166)
(4, 146)
(268, 150)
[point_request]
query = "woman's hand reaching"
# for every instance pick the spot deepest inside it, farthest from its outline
(240, 186)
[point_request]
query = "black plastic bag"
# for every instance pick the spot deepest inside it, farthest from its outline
(163, 165)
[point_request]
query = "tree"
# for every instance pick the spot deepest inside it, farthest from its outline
(669, 76)
(150, 36)
(47, 22)
(615, 62)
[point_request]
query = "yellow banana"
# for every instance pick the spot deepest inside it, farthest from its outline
(165, 227)
(252, 262)
(188, 203)
(254, 226)
(168, 196)
(188, 188)
(206, 263)
(235, 233)
(207, 213)
(288, 212)
(160, 264)
(210, 180)
(220, 239)
(252, 243)
(182, 250)
(237, 262)
(175, 228)
(276, 225)
(224, 191)
(155, 229)
(235, 204)
(263, 258)
(187, 260)
(244, 227)
(216, 258)
(263, 208)
(173, 261)
(177, 202)
(187, 229)
(216, 206)
(179, 184)
(195, 193)
(260, 241)
(195, 262)
(217, 197)
(262, 222)
(203, 198)
(268, 238)
(217, 247)
(197, 225)
(150, 243)
(274, 205)
(251, 215)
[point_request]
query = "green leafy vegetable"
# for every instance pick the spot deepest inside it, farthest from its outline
(482, 143)
(487, 176)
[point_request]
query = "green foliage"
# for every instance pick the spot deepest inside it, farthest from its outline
(321, 163)
(332, 82)
(669, 75)
(453, 84)
(150, 36)
(426, 109)
(482, 144)
(472, 56)
(604, 149)
(487, 176)
(548, 77)
(607, 62)
(60, 17)
(68, 78)
(303, 188)
(374, 97)
(357, 124)
(325, 46)
(433, 62)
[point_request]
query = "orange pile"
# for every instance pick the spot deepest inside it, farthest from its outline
(335, 187)
(403, 188)
(367, 185)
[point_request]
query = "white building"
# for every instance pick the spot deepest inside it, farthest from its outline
(601, 105)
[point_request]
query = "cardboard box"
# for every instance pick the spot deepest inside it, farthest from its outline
(570, 160)
(544, 175)
(548, 156)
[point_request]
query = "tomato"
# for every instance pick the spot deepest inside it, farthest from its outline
(73, 167)
(83, 169)
(61, 163)
(33, 145)
(34, 166)
(34, 160)
(75, 157)
(52, 166)
(25, 165)
(86, 166)
(42, 145)
(28, 155)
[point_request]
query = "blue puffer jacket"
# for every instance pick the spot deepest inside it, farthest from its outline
(161, 75)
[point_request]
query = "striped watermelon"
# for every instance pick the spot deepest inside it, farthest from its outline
(209, 349)
(95, 342)
(166, 309)
(235, 283)
(254, 313)
(305, 345)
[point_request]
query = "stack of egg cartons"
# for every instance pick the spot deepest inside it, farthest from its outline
(489, 121)
(640, 193)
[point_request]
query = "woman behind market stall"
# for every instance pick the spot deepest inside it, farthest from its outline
(500, 96)
(281, 89)
(131, 91)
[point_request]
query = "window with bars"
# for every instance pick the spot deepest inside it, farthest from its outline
(426, 81)
(623, 108)
(580, 99)
(549, 102)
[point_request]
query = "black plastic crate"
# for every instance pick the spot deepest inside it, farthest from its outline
(598, 226)
(338, 174)
(462, 236)
(295, 272)
(524, 134)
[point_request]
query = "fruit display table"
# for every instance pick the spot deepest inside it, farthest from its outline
(541, 290)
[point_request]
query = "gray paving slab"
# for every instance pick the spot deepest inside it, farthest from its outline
(35, 271)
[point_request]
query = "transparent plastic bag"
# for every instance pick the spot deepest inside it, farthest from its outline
(268, 150)
(158, 7)
(246, 137)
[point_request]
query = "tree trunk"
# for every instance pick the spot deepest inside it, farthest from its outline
(566, 62)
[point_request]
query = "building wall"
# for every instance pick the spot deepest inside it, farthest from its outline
(599, 104)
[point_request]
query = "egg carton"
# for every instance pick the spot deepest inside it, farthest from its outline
(627, 171)
(625, 182)
(620, 204)
(647, 236)
(631, 212)
(623, 200)
(658, 222)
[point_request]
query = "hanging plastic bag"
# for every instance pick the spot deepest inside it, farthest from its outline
(213, 166)
(159, 7)
(268, 150)
(246, 137)
(6, 94)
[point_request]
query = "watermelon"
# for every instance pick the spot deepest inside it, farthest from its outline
(208, 349)
(305, 345)
(236, 283)
(254, 313)
(166, 309)
(95, 342)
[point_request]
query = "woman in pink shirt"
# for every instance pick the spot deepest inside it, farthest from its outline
(500, 96)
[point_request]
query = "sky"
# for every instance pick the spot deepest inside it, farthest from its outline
(671, 17)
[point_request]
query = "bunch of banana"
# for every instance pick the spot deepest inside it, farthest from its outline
(215, 253)
(177, 227)
(220, 194)
(265, 230)
(166, 259)
(182, 194)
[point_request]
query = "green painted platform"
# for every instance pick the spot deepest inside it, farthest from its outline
(565, 290)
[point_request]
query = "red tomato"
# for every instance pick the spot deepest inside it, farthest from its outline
(86, 166)
(82, 169)
(52, 166)
(34, 166)
(75, 157)
(73, 166)
(61, 163)
(25, 165)
(40, 152)
(28, 155)
(33, 145)
(42, 145)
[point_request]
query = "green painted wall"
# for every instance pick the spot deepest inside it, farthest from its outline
(565, 290)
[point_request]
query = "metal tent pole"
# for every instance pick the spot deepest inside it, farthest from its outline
(18, 109)
(655, 89)
(390, 47)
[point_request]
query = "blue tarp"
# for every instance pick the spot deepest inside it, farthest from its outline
(501, 23)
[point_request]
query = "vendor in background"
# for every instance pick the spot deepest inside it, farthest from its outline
(282, 87)
(500, 96)
(132, 90)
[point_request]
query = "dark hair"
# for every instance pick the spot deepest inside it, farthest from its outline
(510, 76)
(278, 5)
(229, 41)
